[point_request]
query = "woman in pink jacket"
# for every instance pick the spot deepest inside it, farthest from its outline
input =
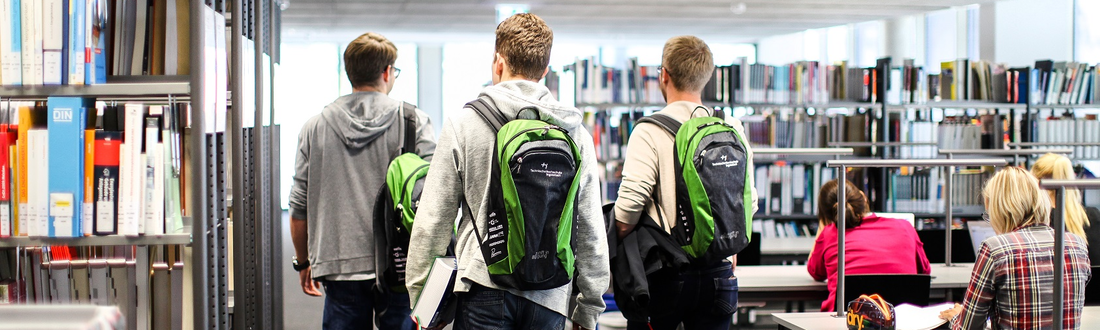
(873, 245)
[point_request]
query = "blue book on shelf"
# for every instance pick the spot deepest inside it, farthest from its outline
(75, 40)
(66, 164)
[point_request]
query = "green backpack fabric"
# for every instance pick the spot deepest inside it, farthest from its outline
(713, 195)
(396, 207)
(532, 196)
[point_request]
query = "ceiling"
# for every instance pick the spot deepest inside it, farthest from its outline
(590, 20)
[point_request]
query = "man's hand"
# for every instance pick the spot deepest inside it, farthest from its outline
(950, 313)
(309, 286)
(623, 229)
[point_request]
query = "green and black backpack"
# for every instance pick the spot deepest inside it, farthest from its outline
(713, 195)
(396, 208)
(532, 196)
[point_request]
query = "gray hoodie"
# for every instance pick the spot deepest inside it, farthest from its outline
(461, 170)
(339, 170)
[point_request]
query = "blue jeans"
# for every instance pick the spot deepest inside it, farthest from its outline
(351, 305)
(489, 309)
(702, 299)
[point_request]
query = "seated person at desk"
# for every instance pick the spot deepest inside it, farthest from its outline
(1079, 220)
(1012, 280)
(873, 245)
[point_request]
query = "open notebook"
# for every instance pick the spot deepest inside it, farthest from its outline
(911, 317)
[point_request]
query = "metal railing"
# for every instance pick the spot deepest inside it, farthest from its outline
(842, 168)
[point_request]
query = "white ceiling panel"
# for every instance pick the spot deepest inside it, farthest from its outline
(591, 20)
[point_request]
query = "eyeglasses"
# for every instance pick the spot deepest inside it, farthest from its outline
(985, 216)
(396, 71)
(660, 68)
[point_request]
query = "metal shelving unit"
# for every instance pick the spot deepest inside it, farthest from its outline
(253, 143)
(205, 212)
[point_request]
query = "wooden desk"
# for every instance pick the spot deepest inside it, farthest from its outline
(793, 283)
(1090, 319)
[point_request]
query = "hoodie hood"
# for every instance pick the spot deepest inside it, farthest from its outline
(361, 117)
(510, 96)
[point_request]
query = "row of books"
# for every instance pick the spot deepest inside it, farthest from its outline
(789, 189)
(70, 168)
(147, 287)
(803, 82)
(1065, 83)
(769, 228)
(1070, 130)
(77, 42)
(966, 80)
(596, 83)
(915, 190)
(920, 190)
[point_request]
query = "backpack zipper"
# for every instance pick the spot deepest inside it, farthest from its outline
(406, 185)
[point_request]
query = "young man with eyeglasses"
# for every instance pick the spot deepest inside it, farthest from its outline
(340, 165)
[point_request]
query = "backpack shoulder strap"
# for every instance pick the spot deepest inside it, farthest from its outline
(664, 121)
(408, 111)
(488, 113)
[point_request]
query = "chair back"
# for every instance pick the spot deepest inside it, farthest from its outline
(895, 288)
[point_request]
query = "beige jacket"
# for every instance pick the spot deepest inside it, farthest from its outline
(649, 169)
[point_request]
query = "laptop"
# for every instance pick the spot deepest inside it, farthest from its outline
(979, 231)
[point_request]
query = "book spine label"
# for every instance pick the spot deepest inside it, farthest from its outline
(27, 30)
(12, 51)
(5, 187)
(89, 180)
(154, 222)
(65, 164)
(53, 44)
(76, 47)
(106, 182)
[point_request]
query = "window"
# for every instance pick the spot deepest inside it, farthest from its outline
(1086, 43)
(836, 39)
(941, 35)
(870, 42)
(466, 70)
(307, 79)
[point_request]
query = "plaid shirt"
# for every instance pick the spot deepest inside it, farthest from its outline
(1013, 281)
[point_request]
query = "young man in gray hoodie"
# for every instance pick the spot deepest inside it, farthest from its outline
(461, 171)
(343, 153)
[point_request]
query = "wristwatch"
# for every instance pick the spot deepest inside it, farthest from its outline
(299, 265)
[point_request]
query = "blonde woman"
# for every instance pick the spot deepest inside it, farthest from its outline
(1079, 220)
(1012, 281)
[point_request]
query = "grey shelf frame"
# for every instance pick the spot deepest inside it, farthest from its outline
(960, 105)
(167, 239)
(1065, 106)
(121, 89)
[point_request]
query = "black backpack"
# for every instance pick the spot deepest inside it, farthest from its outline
(533, 187)
(396, 207)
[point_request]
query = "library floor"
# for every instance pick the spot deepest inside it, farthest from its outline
(304, 312)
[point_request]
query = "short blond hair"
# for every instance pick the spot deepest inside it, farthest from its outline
(1014, 200)
(689, 63)
(367, 57)
(1058, 167)
(524, 41)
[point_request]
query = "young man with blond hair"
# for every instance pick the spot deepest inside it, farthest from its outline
(702, 296)
(341, 162)
(461, 172)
